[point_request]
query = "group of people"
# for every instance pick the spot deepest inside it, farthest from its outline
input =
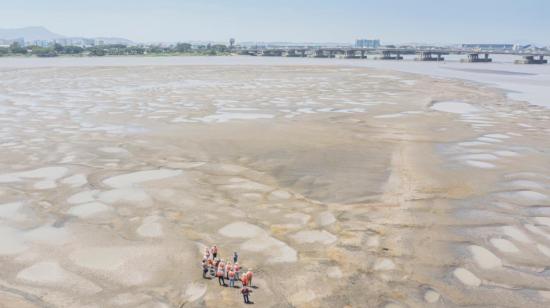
(213, 266)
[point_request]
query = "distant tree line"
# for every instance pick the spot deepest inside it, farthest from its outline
(115, 50)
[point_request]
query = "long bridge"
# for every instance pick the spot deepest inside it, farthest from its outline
(422, 54)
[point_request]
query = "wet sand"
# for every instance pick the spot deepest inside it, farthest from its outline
(340, 186)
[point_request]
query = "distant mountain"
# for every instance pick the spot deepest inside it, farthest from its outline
(29, 34)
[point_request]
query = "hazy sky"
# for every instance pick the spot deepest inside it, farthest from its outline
(398, 21)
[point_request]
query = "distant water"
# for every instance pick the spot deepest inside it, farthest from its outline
(523, 82)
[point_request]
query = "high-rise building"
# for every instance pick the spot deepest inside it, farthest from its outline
(365, 43)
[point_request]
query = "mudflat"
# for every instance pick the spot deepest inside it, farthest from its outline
(340, 186)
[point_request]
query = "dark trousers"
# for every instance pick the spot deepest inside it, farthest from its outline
(221, 281)
(214, 254)
(246, 300)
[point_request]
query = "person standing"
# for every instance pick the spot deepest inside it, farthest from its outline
(219, 274)
(228, 267)
(231, 275)
(204, 268)
(244, 280)
(214, 251)
(235, 257)
(221, 265)
(249, 276)
(237, 270)
(211, 267)
(246, 292)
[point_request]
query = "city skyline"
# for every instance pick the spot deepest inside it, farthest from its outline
(401, 21)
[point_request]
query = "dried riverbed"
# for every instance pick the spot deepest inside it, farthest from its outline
(338, 185)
